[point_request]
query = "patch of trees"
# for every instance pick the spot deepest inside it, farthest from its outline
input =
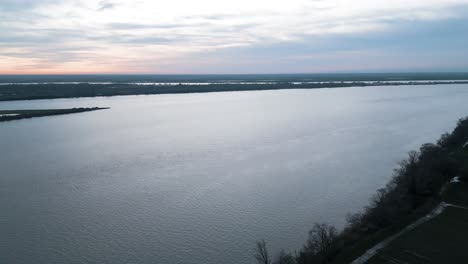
(416, 181)
(8, 115)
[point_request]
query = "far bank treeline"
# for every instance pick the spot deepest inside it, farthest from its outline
(412, 192)
(50, 90)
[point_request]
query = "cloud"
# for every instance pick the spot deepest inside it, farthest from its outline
(106, 5)
(23, 5)
(142, 33)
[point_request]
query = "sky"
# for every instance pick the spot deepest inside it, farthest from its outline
(241, 36)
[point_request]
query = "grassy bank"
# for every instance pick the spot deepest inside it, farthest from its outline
(9, 115)
(418, 184)
(440, 240)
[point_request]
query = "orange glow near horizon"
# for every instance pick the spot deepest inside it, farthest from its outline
(73, 72)
(242, 36)
(73, 69)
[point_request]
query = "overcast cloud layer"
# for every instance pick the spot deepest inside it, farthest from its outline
(242, 36)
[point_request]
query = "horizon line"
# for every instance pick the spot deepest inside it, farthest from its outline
(297, 73)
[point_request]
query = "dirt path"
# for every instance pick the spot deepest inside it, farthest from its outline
(436, 211)
(375, 249)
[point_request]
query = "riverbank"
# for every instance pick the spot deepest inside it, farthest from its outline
(441, 239)
(422, 185)
(9, 115)
(55, 90)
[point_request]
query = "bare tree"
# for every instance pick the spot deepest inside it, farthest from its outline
(322, 242)
(285, 258)
(262, 255)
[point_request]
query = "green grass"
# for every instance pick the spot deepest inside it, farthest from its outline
(351, 253)
(440, 240)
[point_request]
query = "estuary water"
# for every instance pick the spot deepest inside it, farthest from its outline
(198, 178)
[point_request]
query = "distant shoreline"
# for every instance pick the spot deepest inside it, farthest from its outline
(56, 90)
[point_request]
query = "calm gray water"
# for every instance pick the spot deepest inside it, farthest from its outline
(198, 178)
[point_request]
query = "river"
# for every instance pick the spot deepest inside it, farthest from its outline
(198, 178)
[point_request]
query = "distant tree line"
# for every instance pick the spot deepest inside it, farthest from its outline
(416, 182)
(52, 91)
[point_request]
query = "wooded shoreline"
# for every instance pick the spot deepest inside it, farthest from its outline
(18, 91)
(416, 188)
